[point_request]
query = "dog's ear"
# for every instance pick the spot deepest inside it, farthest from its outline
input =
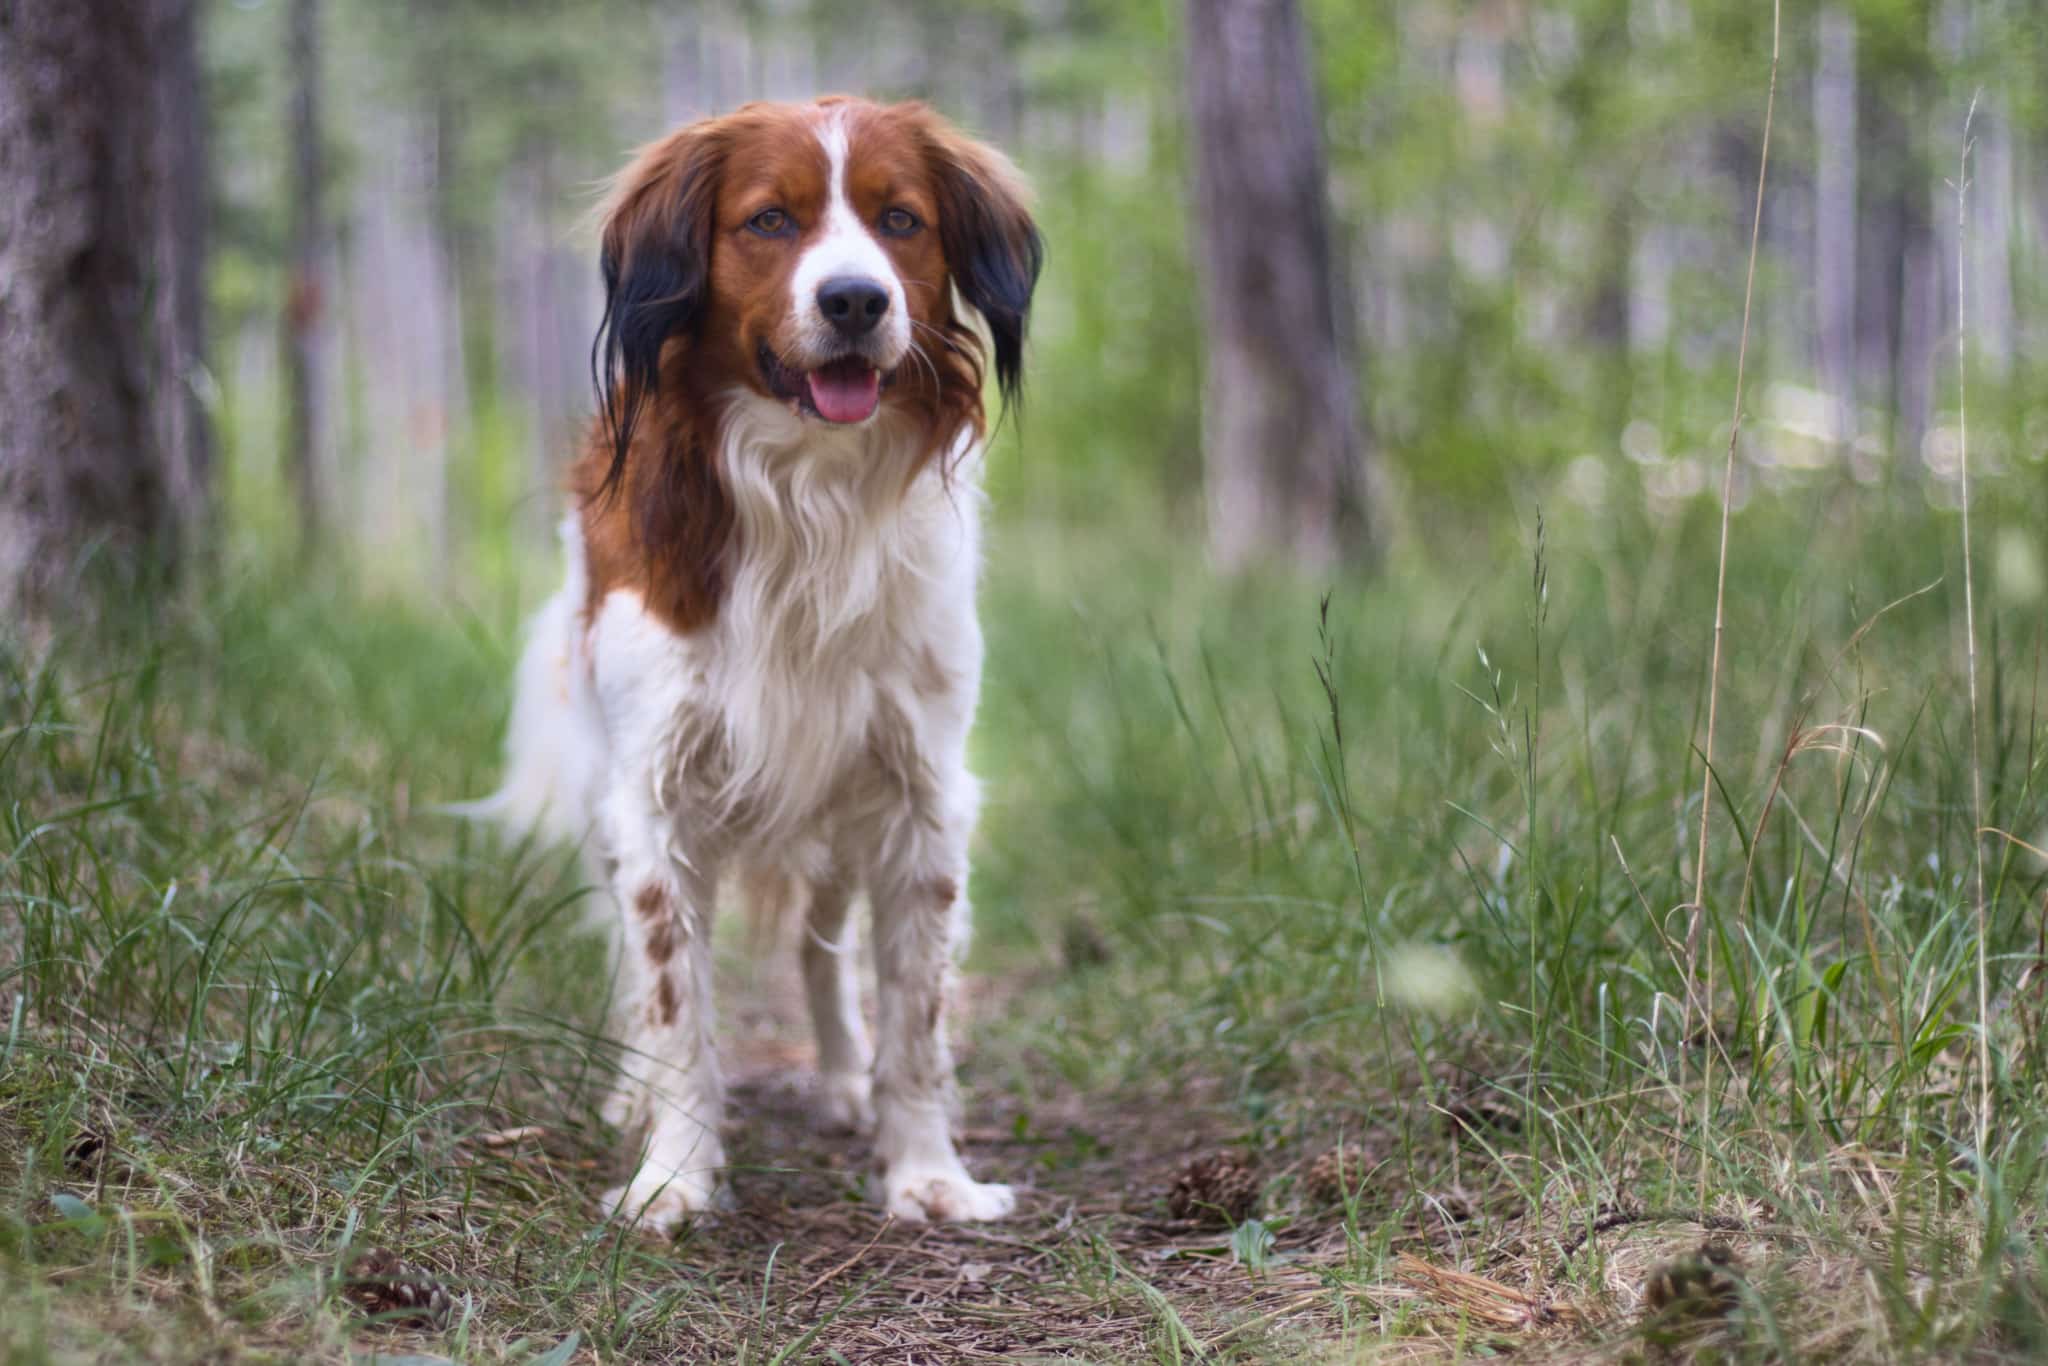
(992, 247)
(656, 259)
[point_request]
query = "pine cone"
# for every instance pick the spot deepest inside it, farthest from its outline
(86, 1153)
(1221, 1188)
(397, 1292)
(1701, 1286)
(1338, 1174)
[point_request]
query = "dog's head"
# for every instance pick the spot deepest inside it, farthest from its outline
(811, 254)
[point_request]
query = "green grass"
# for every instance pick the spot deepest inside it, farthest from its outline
(1261, 869)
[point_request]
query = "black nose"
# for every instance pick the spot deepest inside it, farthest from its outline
(852, 305)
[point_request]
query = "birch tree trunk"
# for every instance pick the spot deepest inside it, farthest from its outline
(104, 444)
(1283, 448)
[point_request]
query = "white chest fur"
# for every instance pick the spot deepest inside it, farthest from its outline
(846, 648)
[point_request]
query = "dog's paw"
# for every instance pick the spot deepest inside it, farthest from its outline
(662, 1202)
(944, 1195)
(844, 1104)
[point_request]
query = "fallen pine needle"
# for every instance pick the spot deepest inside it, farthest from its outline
(1500, 1305)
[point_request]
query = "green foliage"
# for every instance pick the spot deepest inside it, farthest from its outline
(1338, 867)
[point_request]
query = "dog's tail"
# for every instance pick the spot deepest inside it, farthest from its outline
(554, 745)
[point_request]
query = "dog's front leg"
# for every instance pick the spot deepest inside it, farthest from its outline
(670, 1082)
(920, 912)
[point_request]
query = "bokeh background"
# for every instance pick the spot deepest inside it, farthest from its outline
(1540, 210)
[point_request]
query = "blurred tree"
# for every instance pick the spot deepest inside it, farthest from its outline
(1900, 276)
(1834, 215)
(1283, 449)
(306, 293)
(1587, 98)
(102, 182)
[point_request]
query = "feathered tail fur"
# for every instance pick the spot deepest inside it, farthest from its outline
(554, 744)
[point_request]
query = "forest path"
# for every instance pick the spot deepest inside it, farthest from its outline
(1087, 1266)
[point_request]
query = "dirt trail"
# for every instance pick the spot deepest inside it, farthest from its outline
(1060, 1279)
(1091, 1267)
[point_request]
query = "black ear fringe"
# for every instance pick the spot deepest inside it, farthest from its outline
(656, 292)
(996, 253)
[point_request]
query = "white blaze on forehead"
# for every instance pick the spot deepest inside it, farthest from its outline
(845, 246)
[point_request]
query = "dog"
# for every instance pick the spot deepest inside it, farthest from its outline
(764, 659)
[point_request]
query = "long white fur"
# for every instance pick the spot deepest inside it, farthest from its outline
(817, 728)
(556, 746)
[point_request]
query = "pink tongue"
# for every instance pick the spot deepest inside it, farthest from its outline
(845, 391)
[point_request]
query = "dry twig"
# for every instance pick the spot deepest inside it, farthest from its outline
(1609, 1219)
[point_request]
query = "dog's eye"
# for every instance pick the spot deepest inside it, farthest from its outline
(899, 222)
(771, 223)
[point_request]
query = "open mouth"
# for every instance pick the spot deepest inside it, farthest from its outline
(847, 389)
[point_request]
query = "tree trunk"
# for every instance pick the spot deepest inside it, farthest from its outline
(405, 318)
(1834, 216)
(104, 446)
(1283, 448)
(1899, 287)
(707, 61)
(306, 332)
(1609, 47)
(543, 334)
